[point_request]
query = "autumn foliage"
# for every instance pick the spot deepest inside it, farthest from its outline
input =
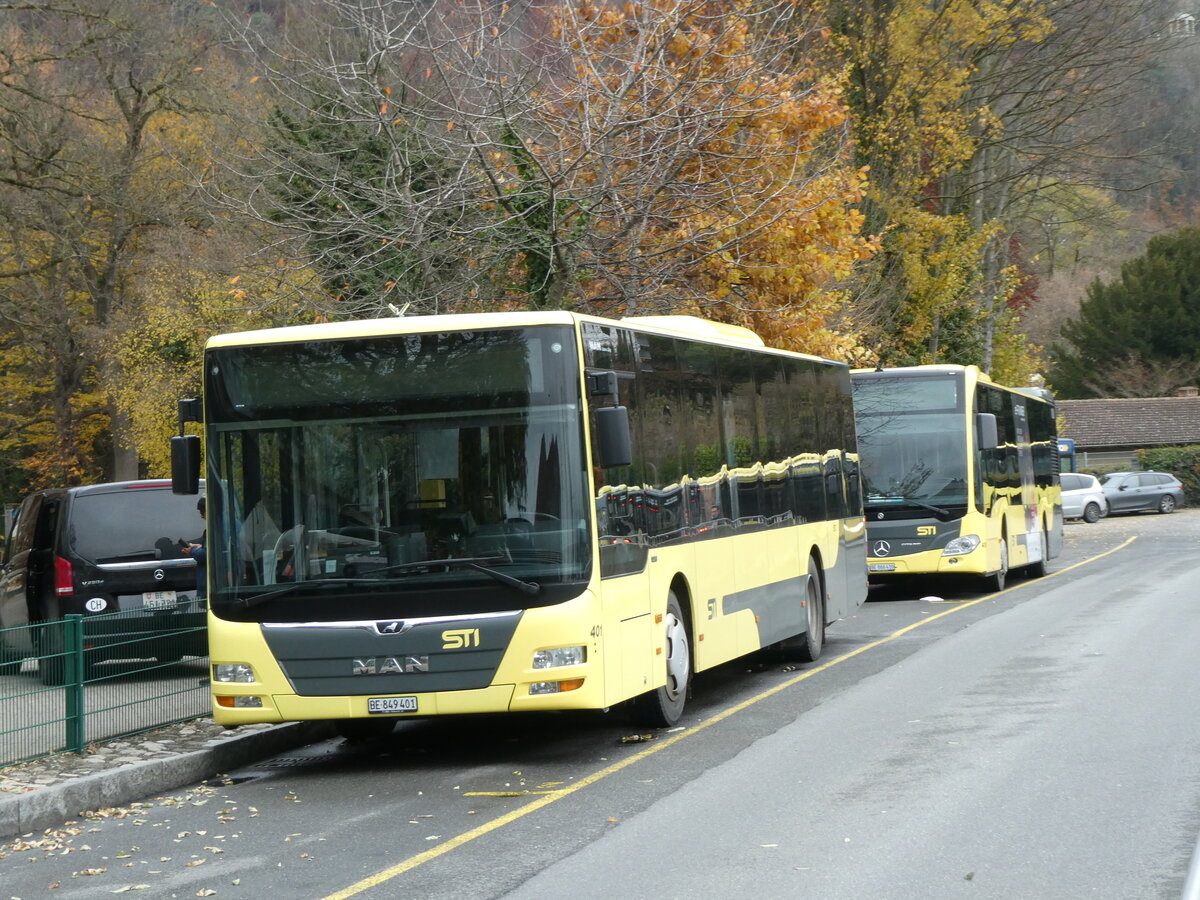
(844, 177)
(711, 169)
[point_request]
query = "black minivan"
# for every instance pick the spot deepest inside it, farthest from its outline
(98, 550)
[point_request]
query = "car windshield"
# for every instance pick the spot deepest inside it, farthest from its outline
(133, 523)
(371, 467)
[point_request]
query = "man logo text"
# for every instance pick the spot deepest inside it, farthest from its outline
(389, 665)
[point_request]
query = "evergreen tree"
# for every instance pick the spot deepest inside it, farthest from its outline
(1148, 319)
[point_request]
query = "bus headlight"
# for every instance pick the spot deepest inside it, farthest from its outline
(233, 673)
(560, 656)
(961, 545)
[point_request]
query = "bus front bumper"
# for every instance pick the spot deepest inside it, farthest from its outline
(929, 562)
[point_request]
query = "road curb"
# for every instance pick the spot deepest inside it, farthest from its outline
(54, 805)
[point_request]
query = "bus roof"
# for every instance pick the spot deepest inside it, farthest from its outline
(692, 327)
(931, 369)
(1038, 393)
(354, 328)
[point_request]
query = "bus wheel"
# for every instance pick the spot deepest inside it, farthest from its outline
(662, 707)
(357, 730)
(995, 581)
(808, 646)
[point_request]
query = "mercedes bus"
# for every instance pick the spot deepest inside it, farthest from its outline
(960, 474)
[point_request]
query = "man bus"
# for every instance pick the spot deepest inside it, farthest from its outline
(515, 511)
(960, 474)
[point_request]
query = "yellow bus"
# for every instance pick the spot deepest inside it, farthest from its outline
(960, 474)
(515, 512)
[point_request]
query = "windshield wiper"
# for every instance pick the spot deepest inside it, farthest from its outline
(292, 587)
(469, 562)
(876, 502)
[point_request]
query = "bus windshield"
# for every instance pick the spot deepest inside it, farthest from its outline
(426, 474)
(912, 441)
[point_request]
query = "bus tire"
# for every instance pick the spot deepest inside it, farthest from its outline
(662, 707)
(994, 583)
(358, 730)
(808, 648)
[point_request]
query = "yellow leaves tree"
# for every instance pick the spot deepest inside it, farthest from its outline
(969, 114)
(105, 114)
(181, 303)
(910, 69)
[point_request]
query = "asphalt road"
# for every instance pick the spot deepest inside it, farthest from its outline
(1038, 743)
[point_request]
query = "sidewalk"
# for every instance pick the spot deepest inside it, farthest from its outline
(48, 792)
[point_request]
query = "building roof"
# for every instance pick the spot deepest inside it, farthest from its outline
(1131, 422)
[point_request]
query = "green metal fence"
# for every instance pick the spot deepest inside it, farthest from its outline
(71, 682)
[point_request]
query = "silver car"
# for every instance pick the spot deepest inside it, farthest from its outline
(1137, 491)
(1083, 497)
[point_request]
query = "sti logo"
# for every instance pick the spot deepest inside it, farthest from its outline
(460, 638)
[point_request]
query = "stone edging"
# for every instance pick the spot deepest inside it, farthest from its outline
(52, 806)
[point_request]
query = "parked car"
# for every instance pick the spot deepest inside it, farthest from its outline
(1083, 497)
(100, 549)
(1138, 491)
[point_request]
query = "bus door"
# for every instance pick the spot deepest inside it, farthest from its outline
(624, 591)
(1030, 527)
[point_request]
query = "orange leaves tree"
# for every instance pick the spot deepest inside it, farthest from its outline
(707, 163)
(660, 156)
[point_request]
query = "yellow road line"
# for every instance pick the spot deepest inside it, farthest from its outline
(552, 796)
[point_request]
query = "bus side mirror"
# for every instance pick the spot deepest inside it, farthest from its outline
(613, 446)
(185, 464)
(985, 428)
